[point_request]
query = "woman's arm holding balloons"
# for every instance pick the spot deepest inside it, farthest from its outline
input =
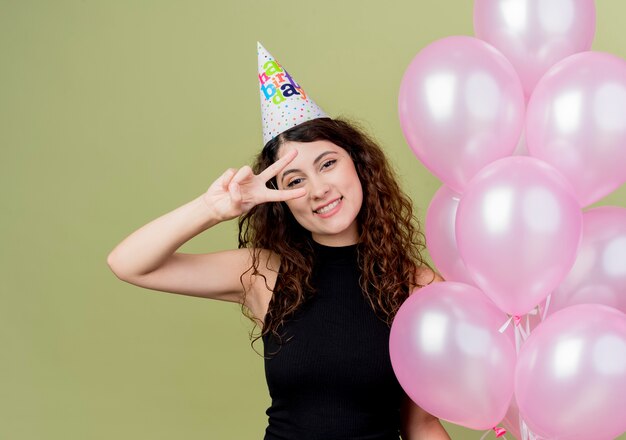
(417, 424)
(424, 276)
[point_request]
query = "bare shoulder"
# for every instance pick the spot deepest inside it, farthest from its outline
(268, 264)
(270, 260)
(266, 268)
(261, 284)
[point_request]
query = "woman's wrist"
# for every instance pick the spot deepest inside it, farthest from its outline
(208, 211)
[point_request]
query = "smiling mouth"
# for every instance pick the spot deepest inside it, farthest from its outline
(329, 207)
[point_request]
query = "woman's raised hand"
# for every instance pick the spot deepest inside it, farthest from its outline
(237, 191)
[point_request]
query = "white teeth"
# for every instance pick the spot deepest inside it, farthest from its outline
(328, 207)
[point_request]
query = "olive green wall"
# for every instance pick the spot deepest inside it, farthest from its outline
(115, 112)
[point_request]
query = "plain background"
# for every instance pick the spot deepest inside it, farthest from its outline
(113, 113)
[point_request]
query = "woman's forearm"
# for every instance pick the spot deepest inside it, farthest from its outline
(428, 430)
(148, 247)
(418, 424)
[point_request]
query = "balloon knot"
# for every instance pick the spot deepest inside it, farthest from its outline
(499, 431)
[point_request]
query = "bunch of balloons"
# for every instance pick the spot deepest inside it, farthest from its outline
(525, 126)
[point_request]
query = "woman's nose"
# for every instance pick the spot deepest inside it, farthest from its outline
(319, 188)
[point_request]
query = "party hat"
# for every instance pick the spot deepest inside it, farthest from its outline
(284, 104)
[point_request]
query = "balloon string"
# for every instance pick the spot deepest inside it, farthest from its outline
(522, 332)
(516, 329)
(534, 311)
(523, 428)
(517, 319)
(505, 325)
(527, 434)
(545, 310)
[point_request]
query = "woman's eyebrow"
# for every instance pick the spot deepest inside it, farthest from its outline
(295, 170)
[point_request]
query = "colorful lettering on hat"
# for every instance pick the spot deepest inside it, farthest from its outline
(284, 104)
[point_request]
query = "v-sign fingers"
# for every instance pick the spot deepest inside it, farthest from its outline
(282, 195)
(227, 177)
(278, 166)
(244, 173)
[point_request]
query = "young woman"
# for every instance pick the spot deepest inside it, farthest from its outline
(328, 251)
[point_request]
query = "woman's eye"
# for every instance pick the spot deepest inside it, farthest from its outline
(294, 182)
(329, 163)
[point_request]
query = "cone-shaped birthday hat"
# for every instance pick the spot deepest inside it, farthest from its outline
(284, 104)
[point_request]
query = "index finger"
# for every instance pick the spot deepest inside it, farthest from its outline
(278, 166)
(282, 195)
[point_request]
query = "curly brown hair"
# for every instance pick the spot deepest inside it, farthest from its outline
(390, 241)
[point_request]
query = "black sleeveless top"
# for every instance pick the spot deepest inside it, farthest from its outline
(333, 379)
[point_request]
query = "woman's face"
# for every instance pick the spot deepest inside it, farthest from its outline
(333, 191)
